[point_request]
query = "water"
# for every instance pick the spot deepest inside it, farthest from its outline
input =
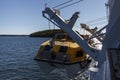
(17, 60)
(17, 63)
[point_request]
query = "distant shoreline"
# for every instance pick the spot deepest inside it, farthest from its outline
(14, 35)
(46, 33)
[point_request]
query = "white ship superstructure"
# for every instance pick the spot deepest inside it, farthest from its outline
(109, 54)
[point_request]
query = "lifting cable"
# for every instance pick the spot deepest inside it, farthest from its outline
(96, 20)
(99, 23)
(68, 4)
(62, 4)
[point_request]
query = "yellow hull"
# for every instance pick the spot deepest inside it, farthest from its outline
(62, 51)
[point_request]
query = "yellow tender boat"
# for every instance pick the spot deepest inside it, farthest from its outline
(62, 50)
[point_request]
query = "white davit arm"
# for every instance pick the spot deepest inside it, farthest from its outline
(52, 16)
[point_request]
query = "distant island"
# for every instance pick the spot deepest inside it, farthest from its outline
(46, 33)
(13, 35)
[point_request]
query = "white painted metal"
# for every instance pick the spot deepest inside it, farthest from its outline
(111, 39)
(67, 27)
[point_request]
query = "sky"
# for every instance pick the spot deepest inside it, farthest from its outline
(25, 16)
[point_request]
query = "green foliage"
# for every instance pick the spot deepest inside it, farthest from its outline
(46, 33)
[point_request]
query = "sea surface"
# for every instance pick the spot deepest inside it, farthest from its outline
(17, 60)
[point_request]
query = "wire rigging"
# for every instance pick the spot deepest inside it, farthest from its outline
(96, 20)
(62, 4)
(70, 4)
(99, 23)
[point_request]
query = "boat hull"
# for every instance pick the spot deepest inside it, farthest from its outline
(72, 69)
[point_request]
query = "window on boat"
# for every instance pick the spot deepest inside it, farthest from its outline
(47, 48)
(69, 38)
(79, 53)
(60, 36)
(53, 37)
(63, 49)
